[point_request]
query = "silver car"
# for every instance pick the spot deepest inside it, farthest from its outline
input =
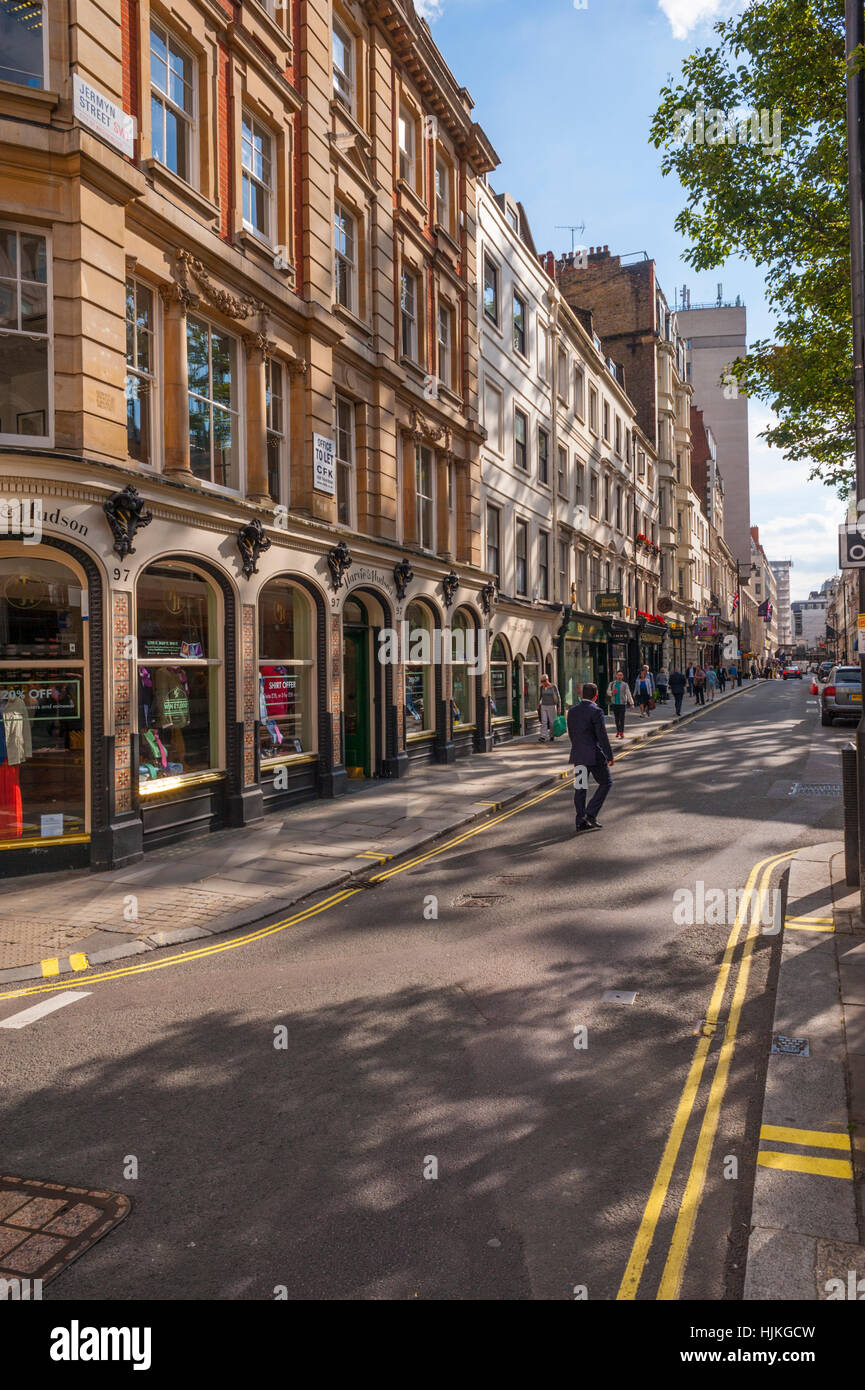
(841, 696)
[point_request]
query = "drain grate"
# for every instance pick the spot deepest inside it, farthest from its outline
(790, 1047)
(815, 789)
(44, 1227)
(480, 900)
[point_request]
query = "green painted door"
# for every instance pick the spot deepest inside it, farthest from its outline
(355, 658)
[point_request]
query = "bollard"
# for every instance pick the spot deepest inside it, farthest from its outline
(851, 814)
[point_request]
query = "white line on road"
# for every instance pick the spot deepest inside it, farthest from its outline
(57, 1001)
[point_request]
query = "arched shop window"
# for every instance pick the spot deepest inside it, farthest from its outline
(179, 665)
(463, 679)
(286, 672)
(43, 744)
(419, 683)
(532, 668)
(500, 680)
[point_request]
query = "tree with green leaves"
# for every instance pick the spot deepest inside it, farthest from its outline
(756, 132)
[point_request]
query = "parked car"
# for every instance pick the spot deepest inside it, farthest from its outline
(792, 673)
(841, 696)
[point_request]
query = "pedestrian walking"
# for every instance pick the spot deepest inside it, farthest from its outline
(753, 671)
(678, 685)
(590, 749)
(661, 682)
(722, 678)
(619, 698)
(644, 692)
(699, 685)
(711, 683)
(690, 680)
(550, 705)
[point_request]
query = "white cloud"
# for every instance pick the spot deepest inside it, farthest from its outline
(798, 519)
(685, 15)
(429, 10)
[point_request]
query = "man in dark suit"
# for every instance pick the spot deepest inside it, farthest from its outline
(590, 748)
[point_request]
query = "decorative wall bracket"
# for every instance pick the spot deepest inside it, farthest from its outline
(339, 562)
(228, 304)
(422, 429)
(126, 515)
(403, 575)
(488, 598)
(251, 541)
(450, 584)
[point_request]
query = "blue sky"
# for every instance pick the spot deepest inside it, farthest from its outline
(566, 96)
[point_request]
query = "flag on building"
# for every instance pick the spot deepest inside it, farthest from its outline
(765, 611)
(735, 601)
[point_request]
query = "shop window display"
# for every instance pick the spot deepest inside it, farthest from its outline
(500, 680)
(419, 698)
(532, 678)
(178, 674)
(462, 702)
(286, 672)
(42, 701)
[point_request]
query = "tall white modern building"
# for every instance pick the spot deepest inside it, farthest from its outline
(781, 570)
(715, 335)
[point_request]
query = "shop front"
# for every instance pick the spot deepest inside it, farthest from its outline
(175, 679)
(651, 643)
(676, 635)
(46, 770)
(624, 650)
(583, 656)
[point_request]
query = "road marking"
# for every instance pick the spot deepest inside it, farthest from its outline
(658, 1195)
(47, 1006)
(824, 924)
(51, 966)
(811, 1138)
(79, 961)
(674, 1269)
(188, 957)
(370, 854)
(803, 1163)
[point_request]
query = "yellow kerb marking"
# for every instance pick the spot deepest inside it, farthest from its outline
(802, 1163)
(814, 1138)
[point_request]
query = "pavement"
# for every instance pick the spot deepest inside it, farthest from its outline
(808, 1235)
(55, 924)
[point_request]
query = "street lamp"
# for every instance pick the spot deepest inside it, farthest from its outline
(855, 23)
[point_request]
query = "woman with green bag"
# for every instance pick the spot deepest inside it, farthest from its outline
(549, 707)
(619, 697)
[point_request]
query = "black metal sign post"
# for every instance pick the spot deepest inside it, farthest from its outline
(855, 20)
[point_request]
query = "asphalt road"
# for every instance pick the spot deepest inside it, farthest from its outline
(409, 1038)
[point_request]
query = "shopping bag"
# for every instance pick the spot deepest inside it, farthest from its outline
(560, 723)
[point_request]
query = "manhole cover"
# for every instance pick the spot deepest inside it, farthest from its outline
(815, 789)
(45, 1226)
(790, 1047)
(480, 900)
(619, 996)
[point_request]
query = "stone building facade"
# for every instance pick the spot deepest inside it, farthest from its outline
(239, 434)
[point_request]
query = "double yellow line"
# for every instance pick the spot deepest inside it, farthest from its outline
(674, 1268)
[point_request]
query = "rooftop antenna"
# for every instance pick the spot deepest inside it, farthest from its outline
(571, 227)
